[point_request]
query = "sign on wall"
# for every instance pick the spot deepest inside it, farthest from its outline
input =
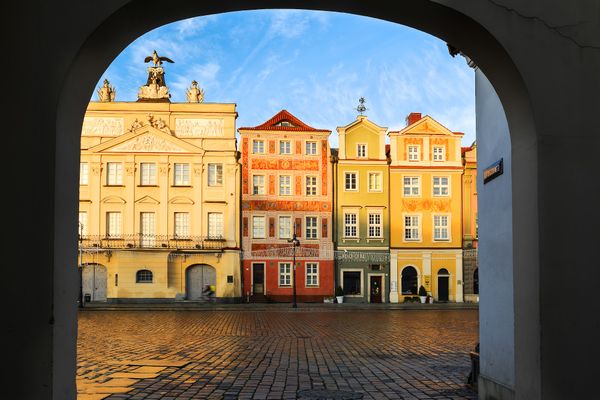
(493, 171)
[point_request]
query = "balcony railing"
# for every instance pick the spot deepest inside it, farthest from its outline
(140, 241)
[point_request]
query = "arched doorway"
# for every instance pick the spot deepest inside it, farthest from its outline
(93, 282)
(409, 281)
(197, 277)
(443, 285)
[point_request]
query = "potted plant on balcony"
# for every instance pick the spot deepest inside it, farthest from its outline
(423, 294)
(339, 294)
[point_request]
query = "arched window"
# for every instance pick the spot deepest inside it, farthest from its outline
(143, 276)
(476, 281)
(409, 281)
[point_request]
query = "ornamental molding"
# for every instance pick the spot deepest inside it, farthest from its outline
(148, 143)
(199, 127)
(102, 126)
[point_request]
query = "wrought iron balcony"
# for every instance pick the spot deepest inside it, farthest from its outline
(140, 241)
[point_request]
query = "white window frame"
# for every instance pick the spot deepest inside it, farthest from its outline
(285, 147)
(84, 173)
(346, 188)
(413, 155)
(181, 225)
(82, 226)
(350, 224)
(440, 186)
(181, 174)
(311, 274)
(439, 155)
(312, 229)
(258, 189)
(280, 225)
(283, 187)
(256, 227)
(411, 185)
(379, 178)
(258, 146)
(215, 175)
(216, 227)
(148, 228)
(314, 151)
(375, 225)
(311, 189)
(285, 274)
(412, 227)
(442, 228)
(114, 174)
(114, 225)
(148, 176)
(362, 154)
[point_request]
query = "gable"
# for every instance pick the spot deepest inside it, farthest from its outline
(145, 140)
(147, 200)
(426, 126)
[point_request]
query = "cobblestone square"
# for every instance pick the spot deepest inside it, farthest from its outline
(237, 354)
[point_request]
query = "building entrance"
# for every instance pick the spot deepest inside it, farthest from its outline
(93, 281)
(258, 279)
(443, 280)
(197, 277)
(375, 289)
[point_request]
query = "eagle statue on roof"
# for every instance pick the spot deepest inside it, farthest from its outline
(156, 59)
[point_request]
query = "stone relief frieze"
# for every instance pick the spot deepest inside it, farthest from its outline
(148, 143)
(102, 126)
(199, 127)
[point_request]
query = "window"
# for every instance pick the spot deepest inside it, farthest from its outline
(113, 224)
(285, 227)
(84, 173)
(285, 147)
(215, 225)
(148, 229)
(350, 181)
(83, 224)
(352, 284)
(411, 227)
(181, 175)
(312, 274)
(438, 153)
(215, 174)
(114, 173)
(374, 225)
(258, 227)
(409, 281)
(143, 276)
(258, 146)
(411, 186)
(311, 148)
(440, 227)
(361, 151)
(285, 274)
(285, 185)
(440, 186)
(147, 174)
(413, 153)
(311, 228)
(374, 181)
(258, 184)
(182, 225)
(311, 185)
(350, 226)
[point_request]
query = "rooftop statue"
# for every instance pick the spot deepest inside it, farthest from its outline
(156, 88)
(156, 59)
(107, 92)
(195, 94)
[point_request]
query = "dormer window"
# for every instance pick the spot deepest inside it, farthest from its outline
(413, 153)
(438, 153)
(361, 150)
(285, 123)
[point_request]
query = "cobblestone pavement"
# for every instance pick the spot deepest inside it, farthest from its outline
(368, 354)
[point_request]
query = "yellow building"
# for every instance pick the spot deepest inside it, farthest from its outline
(470, 231)
(159, 197)
(361, 212)
(425, 210)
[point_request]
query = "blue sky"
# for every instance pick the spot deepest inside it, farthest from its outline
(314, 64)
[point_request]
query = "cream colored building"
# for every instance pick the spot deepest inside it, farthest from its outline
(159, 198)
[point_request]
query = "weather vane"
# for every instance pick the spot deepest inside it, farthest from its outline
(361, 106)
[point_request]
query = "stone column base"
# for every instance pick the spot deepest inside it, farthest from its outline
(488, 389)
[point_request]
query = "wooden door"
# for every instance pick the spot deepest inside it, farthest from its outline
(258, 279)
(376, 289)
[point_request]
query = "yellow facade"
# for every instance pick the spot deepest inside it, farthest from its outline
(425, 210)
(159, 192)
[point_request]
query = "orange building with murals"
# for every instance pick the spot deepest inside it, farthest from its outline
(286, 189)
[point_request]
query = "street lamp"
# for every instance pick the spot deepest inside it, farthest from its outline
(295, 243)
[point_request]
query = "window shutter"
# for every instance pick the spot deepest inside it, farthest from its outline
(272, 226)
(298, 227)
(324, 227)
(245, 226)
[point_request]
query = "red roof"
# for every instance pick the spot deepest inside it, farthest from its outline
(283, 121)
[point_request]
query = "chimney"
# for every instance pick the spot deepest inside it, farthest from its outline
(412, 118)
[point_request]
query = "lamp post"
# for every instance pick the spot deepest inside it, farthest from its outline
(295, 242)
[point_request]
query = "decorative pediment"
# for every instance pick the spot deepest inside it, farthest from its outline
(146, 139)
(147, 200)
(425, 126)
(181, 200)
(363, 122)
(113, 200)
